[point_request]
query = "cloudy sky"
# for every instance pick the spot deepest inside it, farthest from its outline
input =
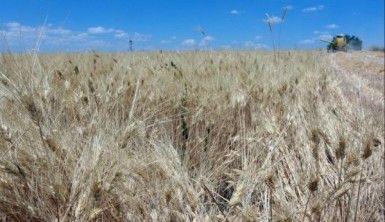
(58, 25)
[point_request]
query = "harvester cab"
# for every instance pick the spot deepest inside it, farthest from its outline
(339, 43)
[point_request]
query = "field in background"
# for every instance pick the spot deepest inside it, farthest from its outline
(204, 136)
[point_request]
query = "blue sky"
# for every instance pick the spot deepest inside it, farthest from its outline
(72, 25)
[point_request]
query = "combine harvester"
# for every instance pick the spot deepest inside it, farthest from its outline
(343, 43)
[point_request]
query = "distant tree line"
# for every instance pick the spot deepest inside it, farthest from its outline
(377, 49)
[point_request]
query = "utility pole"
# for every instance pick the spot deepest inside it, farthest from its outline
(130, 45)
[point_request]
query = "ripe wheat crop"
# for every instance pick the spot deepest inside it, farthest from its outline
(204, 136)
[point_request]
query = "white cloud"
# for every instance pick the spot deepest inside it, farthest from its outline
(13, 29)
(249, 44)
(313, 8)
(206, 41)
(120, 34)
(325, 37)
(254, 45)
(306, 41)
(78, 37)
(272, 20)
(310, 9)
(208, 38)
(24, 37)
(59, 31)
(138, 37)
(234, 12)
(188, 42)
(12, 24)
(82, 35)
(331, 26)
(17, 28)
(258, 37)
(169, 40)
(99, 30)
(320, 32)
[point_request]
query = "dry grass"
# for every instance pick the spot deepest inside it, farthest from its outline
(203, 136)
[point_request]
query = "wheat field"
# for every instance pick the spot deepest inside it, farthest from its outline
(191, 136)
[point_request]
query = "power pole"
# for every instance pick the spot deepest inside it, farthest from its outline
(130, 45)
